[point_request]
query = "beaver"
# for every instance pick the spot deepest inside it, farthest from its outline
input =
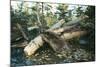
(55, 41)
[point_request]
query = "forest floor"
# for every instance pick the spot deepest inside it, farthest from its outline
(45, 55)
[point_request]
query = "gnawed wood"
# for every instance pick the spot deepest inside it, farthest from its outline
(33, 45)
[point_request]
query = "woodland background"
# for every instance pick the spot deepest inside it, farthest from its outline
(30, 19)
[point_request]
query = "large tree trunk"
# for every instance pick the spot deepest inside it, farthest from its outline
(53, 39)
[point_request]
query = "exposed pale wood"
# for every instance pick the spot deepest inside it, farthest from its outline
(74, 34)
(33, 45)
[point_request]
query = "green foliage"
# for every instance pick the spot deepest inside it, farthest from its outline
(62, 7)
(64, 13)
(79, 11)
(27, 16)
(89, 23)
(90, 12)
(62, 10)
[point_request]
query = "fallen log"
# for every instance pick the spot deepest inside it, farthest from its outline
(55, 44)
(59, 41)
(38, 41)
(71, 35)
(33, 45)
